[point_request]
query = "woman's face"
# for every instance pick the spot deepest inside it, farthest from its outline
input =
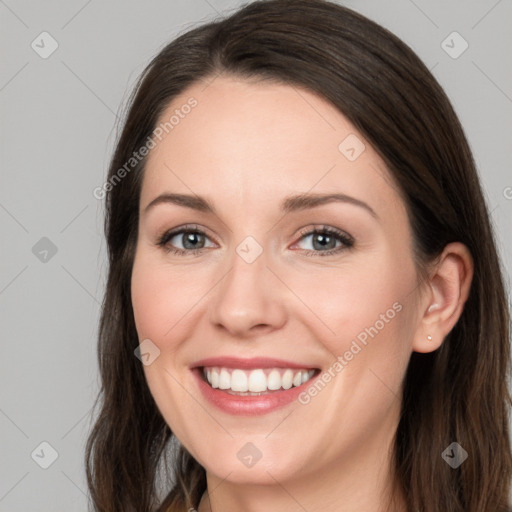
(265, 303)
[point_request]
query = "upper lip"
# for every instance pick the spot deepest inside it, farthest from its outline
(247, 363)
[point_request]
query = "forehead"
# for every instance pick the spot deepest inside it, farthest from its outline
(260, 142)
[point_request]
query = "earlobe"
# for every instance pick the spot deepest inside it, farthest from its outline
(449, 286)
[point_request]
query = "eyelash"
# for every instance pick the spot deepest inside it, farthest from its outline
(345, 239)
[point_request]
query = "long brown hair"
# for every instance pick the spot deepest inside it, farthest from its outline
(457, 393)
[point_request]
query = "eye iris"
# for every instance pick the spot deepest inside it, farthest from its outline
(191, 237)
(324, 241)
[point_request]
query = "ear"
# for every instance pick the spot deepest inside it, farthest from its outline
(446, 292)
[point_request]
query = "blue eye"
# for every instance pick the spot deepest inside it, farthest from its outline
(192, 240)
(326, 241)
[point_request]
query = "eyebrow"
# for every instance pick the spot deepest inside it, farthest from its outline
(290, 204)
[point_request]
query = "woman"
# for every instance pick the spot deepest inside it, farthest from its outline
(304, 309)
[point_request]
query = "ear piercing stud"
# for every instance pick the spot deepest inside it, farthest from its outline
(429, 338)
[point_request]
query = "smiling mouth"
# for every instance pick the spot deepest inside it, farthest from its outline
(258, 381)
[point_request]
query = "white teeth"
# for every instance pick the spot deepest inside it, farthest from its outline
(256, 381)
(215, 379)
(224, 379)
(238, 380)
(287, 379)
(274, 380)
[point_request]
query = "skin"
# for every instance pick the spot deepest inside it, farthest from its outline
(245, 147)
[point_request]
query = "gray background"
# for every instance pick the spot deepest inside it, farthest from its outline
(58, 127)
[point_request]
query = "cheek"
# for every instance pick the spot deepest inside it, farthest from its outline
(350, 300)
(159, 300)
(162, 297)
(369, 317)
(147, 301)
(363, 317)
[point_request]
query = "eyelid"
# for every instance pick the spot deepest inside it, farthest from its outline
(168, 234)
(347, 241)
(325, 228)
(164, 238)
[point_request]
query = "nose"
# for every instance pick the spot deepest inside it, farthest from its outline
(249, 300)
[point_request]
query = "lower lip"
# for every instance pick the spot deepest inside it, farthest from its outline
(248, 405)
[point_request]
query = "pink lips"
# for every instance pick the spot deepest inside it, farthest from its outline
(248, 405)
(255, 362)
